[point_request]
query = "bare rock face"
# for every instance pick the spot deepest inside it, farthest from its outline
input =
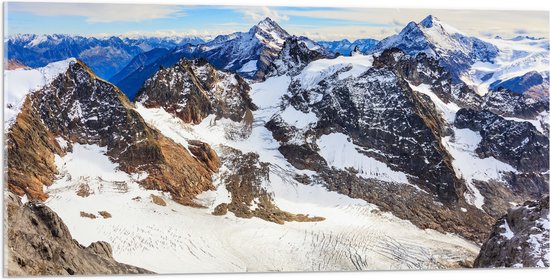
(194, 89)
(506, 103)
(205, 154)
(295, 55)
(81, 108)
(405, 134)
(516, 143)
(423, 69)
(39, 243)
(519, 239)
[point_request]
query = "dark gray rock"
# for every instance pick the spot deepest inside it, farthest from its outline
(519, 144)
(519, 239)
(39, 243)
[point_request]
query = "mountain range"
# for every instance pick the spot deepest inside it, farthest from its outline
(406, 153)
(106, 55)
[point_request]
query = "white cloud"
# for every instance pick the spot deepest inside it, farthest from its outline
(255, 14)
(99, 12)
(473, 22)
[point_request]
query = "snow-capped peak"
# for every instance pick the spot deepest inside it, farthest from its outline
(268, 24)
(268, 30)
(431, 23)
(438, 39)
(428, 21)
(22, 81)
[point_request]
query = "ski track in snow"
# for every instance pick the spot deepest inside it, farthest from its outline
(176, 238)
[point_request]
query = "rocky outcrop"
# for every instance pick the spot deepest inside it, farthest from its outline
(519, 239)
(30, 167)
(295, 55)
(193, 89)
(39, 243)
(244, 178)
(205, 154)
(506, 103)
(79, 107)
(424, 69)
(519, 144)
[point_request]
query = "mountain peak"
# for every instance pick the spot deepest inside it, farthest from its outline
(267, 22)
(428, 22)
(269, 25)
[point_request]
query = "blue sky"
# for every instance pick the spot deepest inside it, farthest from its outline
(316, 23)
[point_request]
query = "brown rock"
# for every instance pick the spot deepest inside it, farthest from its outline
(205, 154)
(158, 200)
(105, 214)
(220, 210)
(87, 215)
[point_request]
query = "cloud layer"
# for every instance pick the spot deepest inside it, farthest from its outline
(99, 12)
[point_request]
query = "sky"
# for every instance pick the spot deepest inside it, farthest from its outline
(317, 23)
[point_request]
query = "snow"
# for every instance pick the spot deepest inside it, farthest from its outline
(467, 164)
(20, 82)
(515, 58)
(269, 93)
(62, 142)
(447, 109)
(176, 238)
(297, 118)
(508, 233)
(320, 69)
(249, 67)
(340, 153)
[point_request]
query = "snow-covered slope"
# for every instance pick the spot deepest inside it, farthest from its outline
(20, 82)
(516, 57)
(247, 53)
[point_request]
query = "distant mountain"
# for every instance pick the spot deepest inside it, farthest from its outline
(247, 53)
(106, 56)
(345, 47)
(138, 61)
(455, 50)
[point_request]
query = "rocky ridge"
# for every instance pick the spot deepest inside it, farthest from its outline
(39, 243)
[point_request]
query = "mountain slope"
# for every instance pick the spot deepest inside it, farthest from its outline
(192, 90)
(138, 61)
(455, 50)
(247, 53)
(77, 107)
(521, 66)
